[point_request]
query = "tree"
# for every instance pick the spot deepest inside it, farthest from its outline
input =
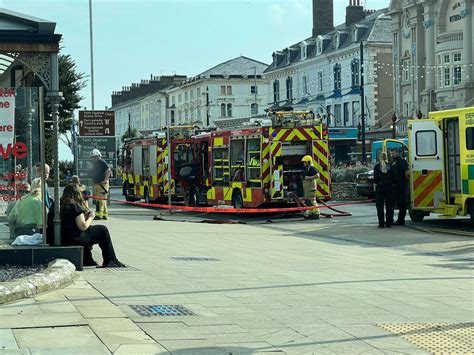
(71, 82)
(134, 134)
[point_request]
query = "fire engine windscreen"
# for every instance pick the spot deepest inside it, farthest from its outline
(184, 163)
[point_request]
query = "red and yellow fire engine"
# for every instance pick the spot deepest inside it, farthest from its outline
(257, 165)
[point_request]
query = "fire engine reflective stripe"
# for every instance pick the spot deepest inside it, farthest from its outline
(321, 163)
(425, 186)
(159, 170)
(295, 134)
(265, 162)
(277, 171)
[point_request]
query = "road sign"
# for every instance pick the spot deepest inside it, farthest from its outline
(106, 146)
(96, 123)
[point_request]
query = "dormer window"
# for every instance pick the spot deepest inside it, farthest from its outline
(304, 52)
(337, 40)
(288, 57)
(355, 35)
(319, 46)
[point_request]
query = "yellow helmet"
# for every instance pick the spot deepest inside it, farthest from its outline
(308, 159)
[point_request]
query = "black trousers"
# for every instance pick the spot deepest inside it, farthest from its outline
(384, 198)
(400, 196)
(99, 234)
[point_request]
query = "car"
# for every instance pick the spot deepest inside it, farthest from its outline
(365, 184)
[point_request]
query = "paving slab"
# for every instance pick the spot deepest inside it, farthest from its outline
(140, 349)
(7, 340)
(113, 340)
(41, 320)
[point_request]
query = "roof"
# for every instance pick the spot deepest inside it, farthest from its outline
(12, 21)
(374, 28)
(238, 66)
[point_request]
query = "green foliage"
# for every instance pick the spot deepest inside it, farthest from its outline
(134, 134)
(348, 173)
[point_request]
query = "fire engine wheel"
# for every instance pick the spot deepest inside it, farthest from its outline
(127, 194)
(146, 195)
(237, 200)
(416, 216)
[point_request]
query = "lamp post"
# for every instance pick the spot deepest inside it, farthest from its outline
(394, 126)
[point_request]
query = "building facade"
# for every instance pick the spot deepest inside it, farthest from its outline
(323, 73)
(432, 56)
(229, 90)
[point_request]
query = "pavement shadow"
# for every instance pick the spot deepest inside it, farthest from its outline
(214, 350)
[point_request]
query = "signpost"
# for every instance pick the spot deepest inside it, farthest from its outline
(96, 131)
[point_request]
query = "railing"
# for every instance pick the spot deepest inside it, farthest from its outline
(450, 37)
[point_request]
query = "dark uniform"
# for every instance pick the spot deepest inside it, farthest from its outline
(400, 190)
(384, 194)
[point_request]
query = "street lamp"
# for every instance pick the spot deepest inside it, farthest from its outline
(394, 126)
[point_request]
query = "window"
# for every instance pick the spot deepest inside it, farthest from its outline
(447, 76)
(470, 138)
(191, 94)
(186, 96)
(446, 58)
(407, 109)
(276, 91)
(337, 114)
(305, 85)
(355, 112)
(303, 52)
(336, 41)
(289, 88)
(355, 71)
(406, 70)
(425, 143)
(229, 90)
(198, 92)
(173, 100)
(186, 114)
(254, 109)
(355, 36)
(253, 89)
(229, 110)
(346, 114)
(319, 47)
(222, 110)
(337, 77)
(172, 117)
(320, 81)
(180, 98)
(457, 69)
(222, 90)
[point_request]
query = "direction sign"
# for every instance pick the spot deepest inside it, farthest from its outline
(96, 123)
(106, 146)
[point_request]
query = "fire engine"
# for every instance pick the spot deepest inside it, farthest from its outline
(255, 165)
(441, 160)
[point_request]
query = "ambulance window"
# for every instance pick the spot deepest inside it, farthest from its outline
(425, 143)
(470, 138)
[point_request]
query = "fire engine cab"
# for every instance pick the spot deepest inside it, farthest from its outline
(441, 160)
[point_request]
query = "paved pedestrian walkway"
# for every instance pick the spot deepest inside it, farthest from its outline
(314, 287)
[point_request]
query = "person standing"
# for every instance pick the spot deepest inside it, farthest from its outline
(383, 187)
(100, 176)
(310, 174)
(401, 178)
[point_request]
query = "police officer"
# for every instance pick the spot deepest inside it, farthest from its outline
(100, 176)
(383, 186)
(400, 190)
(310, 174)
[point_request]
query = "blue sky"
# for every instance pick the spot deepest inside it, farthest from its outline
(136, 38)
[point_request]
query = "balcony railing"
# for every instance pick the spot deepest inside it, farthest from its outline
(450, 37)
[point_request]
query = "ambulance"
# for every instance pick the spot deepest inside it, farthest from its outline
(441, 159)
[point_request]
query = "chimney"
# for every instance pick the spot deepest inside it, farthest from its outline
(354, 12)
(323, 17)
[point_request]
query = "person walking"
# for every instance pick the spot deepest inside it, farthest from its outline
(100, 176)
(309, 175)
(401, 178)
(383, 186)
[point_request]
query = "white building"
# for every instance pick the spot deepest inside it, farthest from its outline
(142, 106)
(432, 56)
(322, 73)
(229, 90)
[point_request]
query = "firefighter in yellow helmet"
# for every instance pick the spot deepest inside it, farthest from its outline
(310, 174)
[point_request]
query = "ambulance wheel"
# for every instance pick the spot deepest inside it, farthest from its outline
(416, 216)
(237, 200)
(471, 212)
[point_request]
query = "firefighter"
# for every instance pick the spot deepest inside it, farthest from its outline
(310, 174)
(100, 175)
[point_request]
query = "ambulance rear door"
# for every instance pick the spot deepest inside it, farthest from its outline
(426, 160)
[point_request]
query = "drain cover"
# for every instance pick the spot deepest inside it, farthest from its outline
(122, 269)
(161, 310)
(455, 338)
(191, 258)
